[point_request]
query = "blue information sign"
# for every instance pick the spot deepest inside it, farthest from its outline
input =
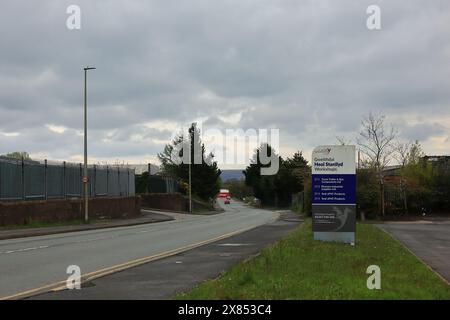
(333, 188)
(334, 193)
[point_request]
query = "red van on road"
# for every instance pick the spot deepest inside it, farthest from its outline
(225, 194)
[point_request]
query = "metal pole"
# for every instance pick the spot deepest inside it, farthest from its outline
(118, 180)
(107, 180)
(85, 174)
(0, 180)
(94, 193)
(64, 180)
(23, 180)
(45, 180)
(190, 188)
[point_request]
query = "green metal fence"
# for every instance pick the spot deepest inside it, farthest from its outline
(27, 180)
(162, 184)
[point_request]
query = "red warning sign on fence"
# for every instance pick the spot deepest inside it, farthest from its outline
(85, 179)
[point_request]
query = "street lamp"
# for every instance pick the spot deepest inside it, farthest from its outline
(85, 172)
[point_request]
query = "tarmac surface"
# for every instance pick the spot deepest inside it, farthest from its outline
(430, 241)
(34, 265)
(164, 278)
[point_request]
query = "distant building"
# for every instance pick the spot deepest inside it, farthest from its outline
(141, 168)
(439, 161)
(393, 172)
(390, 171)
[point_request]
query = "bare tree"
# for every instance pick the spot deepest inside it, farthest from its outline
(402, 152)
(408, 152)
(376, 142)
(343, 140)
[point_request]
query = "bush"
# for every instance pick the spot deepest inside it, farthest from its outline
(367, 193)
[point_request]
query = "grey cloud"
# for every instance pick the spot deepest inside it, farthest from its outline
(309, 68)
(424, 131)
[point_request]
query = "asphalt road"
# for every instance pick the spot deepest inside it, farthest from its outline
(34, 262)
(429, 241)
(163, 278)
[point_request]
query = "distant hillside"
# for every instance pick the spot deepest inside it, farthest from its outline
(232, 174)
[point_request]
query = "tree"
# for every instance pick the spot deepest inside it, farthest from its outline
(204, 171)
(291, 177)
(415, 153)
(420, 177)
(277, 189)
(343, 141)
(376, 142)
(169, 165)
(263, 185)
(402, 152)
(297, 171)
(367, 192)
(18, 155)
(408, 155)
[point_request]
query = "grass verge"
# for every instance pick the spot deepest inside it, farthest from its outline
(298, 267)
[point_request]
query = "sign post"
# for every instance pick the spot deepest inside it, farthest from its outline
(334, 193)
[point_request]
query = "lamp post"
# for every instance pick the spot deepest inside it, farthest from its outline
(85, 171)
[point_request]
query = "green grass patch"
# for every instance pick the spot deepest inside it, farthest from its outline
(43, 224)
(297, 267)
(201, 210)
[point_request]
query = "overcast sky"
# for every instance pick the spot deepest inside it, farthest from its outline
(311, 68)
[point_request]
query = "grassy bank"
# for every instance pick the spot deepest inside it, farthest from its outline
(298, 267)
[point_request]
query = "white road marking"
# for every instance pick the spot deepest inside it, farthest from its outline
(23, 249)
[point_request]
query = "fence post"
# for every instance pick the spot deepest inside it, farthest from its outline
(128, 182)
(23, 180)
(149, 175)
(64, 181)
(45, 180)
(0, 180)
(80, 183)
(118, 180)
(95, 178)
(107, 180)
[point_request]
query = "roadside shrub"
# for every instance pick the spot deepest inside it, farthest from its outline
(367, 193)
